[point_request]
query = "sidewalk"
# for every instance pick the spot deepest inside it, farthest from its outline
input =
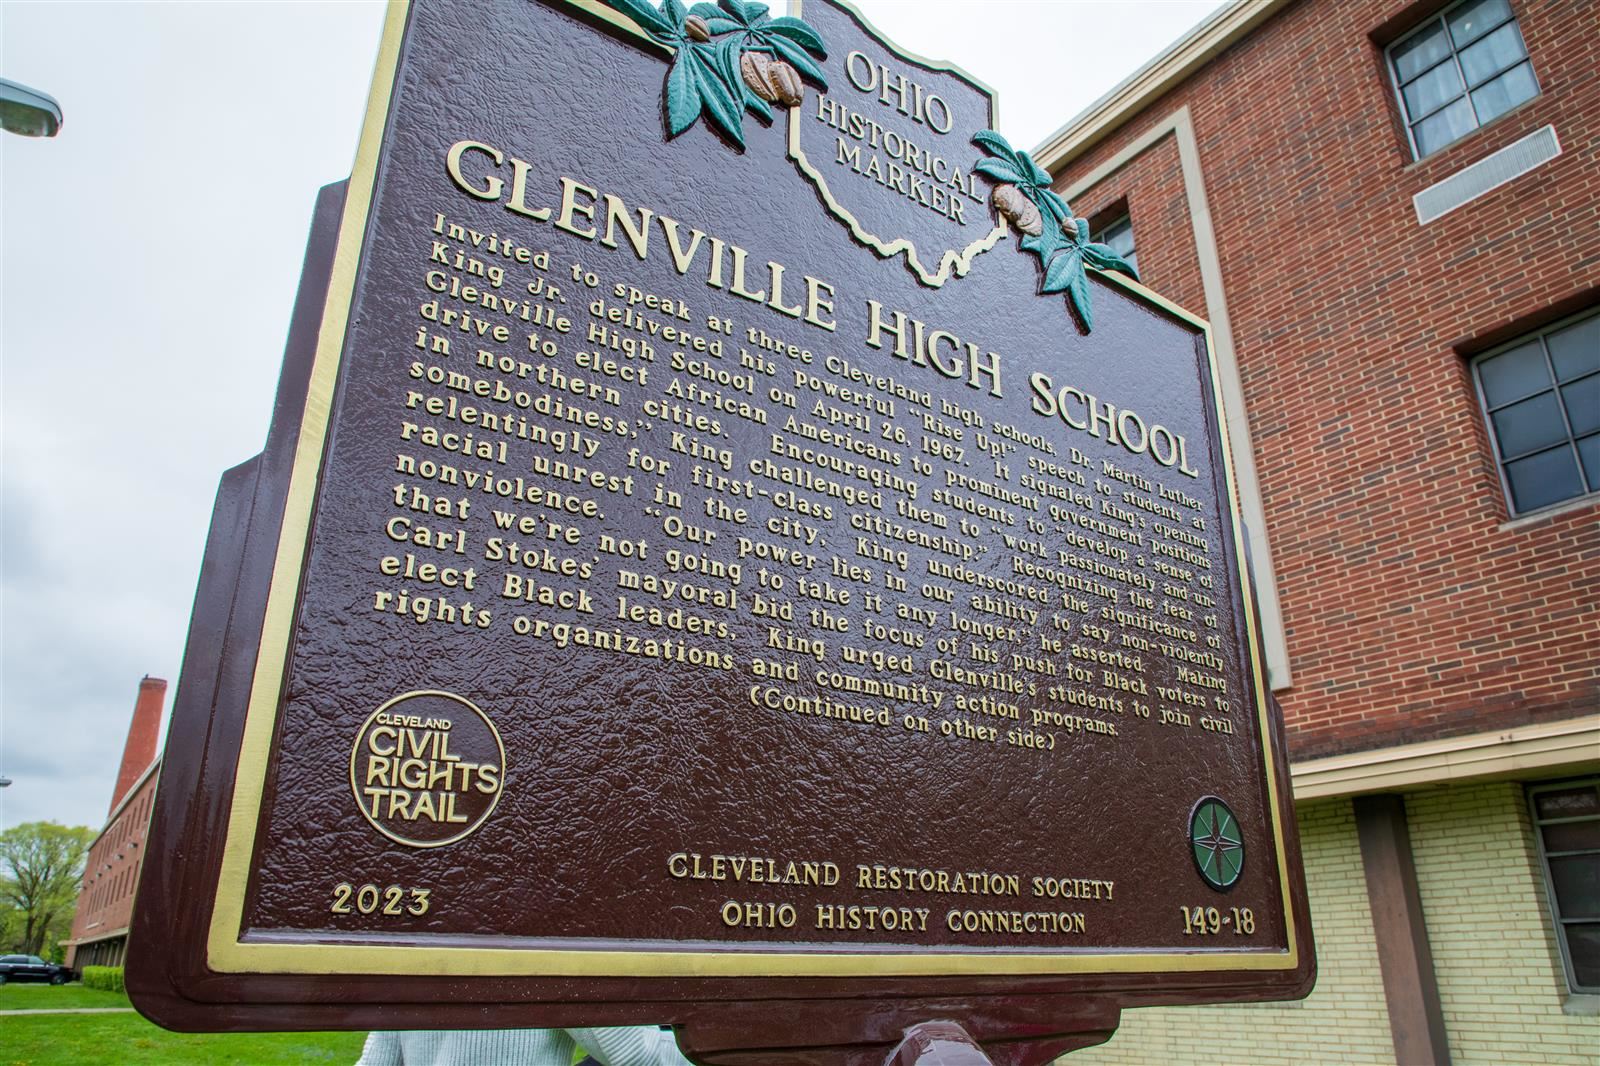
(70, 1010)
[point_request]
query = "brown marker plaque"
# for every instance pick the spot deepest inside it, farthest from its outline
(709, 583)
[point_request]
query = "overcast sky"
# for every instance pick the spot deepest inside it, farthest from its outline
(151, 253)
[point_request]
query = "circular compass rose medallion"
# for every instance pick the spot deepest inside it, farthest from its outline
(1216, 843)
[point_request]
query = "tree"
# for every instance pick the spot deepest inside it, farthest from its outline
(41, 865)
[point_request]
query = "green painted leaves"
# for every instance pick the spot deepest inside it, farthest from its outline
(729, 59)
(1024, 199)
(1007, 164)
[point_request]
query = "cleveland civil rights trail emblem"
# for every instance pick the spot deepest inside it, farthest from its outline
(427, 768)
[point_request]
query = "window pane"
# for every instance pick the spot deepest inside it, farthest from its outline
(1501, 49)
(1576, 349)
(1505, 92)
(1589, 451)
(1529, 425)
(1577, 883)
(1582, 398)
(1121, 238)
(1583, 947)
(1431, 91)
(1438, 130)
(1417, 54)
(1543, 479)
(1572, 836)
(1468, 21)
(1514, 374)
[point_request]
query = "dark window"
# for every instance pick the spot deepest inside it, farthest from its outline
(1541, 400)
(1566, 818)
(1119, 235)
(1460, 69)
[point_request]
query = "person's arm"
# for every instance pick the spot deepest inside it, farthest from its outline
(632, 1045)
(468, 1047)
(381, 1049)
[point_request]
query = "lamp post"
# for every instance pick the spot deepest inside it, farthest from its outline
(28, 112)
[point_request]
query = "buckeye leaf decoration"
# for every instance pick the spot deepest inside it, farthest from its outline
(1105, 257)
(1049, 230)
(724, 103)
(729, 59)
(683, 97)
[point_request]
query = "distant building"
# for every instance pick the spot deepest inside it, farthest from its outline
(1390, 213)
(105, 901)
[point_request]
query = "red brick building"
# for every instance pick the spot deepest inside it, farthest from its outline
(105, 900)
(1390, 213)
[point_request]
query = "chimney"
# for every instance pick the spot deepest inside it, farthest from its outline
(140, 750)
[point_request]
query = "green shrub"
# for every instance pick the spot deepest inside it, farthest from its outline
(105, 978)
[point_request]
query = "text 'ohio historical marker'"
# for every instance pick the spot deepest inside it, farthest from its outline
(733, 553)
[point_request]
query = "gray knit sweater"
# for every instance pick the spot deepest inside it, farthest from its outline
(635, 1045)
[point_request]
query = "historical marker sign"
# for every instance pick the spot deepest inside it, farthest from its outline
(733, 539)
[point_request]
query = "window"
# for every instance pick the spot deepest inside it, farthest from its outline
(1459, 70)
(1541, 400)
(1119, 235)
(1566, 819)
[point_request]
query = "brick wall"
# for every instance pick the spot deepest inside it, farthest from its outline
(1345, 1020)
(1413, 609)
(1501, 983)
(105, 903)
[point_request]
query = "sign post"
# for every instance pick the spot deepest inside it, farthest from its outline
(730, 552)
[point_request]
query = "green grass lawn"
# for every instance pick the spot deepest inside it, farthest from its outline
(88, 1039)
(57, 997)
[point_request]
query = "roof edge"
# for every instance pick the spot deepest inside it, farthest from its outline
(1106, 115)
(1526, 750)
(133, 789)
(82, 940)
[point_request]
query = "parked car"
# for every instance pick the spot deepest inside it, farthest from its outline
(32, 968)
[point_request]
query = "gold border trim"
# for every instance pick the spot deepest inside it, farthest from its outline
(227, 917)
(616, 18)
(883, 39)
(228, 952)
(952, 262)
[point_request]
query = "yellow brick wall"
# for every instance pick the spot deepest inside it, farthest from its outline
(1343, 1021)
(1501, 984)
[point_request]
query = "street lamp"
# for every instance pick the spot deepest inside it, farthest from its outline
(28, 112)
